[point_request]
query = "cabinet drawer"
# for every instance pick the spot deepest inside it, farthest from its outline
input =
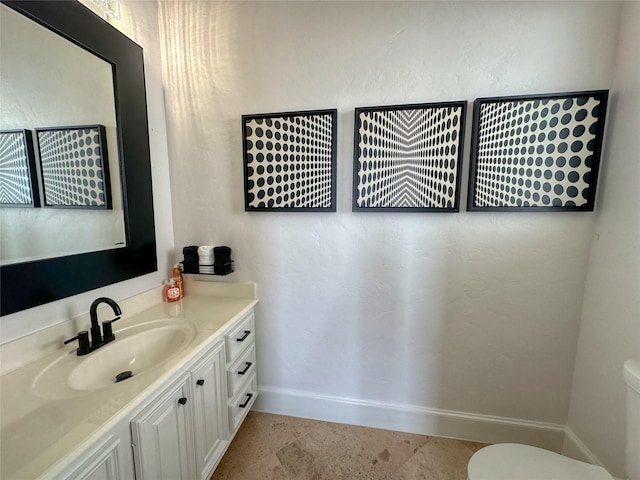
(241, 371)
(239, 338)
(241, 404)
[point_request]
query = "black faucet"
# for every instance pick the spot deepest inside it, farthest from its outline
(99, 337)
(96, 334)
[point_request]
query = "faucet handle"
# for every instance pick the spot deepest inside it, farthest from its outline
(107, 331)
(81, 334)
(83, 342)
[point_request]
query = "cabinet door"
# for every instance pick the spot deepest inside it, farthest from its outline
(209, 412)
(163, 436)
(100, 463)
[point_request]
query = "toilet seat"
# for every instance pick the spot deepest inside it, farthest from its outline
(510, 461)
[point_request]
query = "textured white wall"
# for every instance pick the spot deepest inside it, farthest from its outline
(139, 22)
(470, 312)
(610, 326)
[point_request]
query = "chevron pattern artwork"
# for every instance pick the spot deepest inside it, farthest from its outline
(290, 161)
(408, 157)
(18, 186)
(537, 152)
(74, 167)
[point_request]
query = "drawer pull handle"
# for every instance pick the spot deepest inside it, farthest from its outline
(200, 382)
(182, 400)
(244, 337)
(244, 405)
(248, 366)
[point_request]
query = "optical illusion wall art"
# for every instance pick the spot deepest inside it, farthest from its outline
(18, 177)
(408, 157)
(539, 153)
(290, 161)
(75, 167)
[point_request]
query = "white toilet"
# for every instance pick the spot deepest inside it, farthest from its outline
(509, 461)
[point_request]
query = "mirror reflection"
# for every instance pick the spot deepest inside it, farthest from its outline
(47, 81)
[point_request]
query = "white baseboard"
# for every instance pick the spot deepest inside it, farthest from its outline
(573, 447)
(412, 419)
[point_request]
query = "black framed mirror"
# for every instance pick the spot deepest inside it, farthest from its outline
(29, 284)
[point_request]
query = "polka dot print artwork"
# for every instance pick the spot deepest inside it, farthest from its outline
(290, 160)
(537, 152)
(18, 184)
(74, 167)
(408, 158)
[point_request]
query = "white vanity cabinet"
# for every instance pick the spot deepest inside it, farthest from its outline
(173, 419)
(186, 419)
(185, 430)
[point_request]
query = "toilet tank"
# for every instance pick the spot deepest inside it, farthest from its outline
(632, 379)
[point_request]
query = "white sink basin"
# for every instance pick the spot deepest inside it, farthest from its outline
(138, 349)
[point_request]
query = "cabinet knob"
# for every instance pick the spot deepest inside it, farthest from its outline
(182, 400)
(200, 382)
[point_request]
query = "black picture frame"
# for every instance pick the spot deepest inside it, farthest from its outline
(30, 284)
(290, 161)
(537, 152)
(74, 167)
(408, 158)
(18, 174)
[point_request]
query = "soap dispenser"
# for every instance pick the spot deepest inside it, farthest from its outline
(171, 291)
(177, 276)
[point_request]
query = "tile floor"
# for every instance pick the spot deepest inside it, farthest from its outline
(275, 447)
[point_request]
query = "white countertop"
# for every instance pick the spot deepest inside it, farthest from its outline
(39, 434)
